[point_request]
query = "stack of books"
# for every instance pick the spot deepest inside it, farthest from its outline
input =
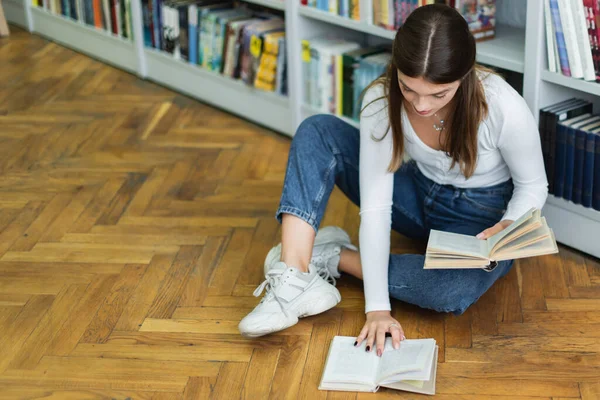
(111, 15)
(572, 38)
(570, 134)
(231, 39)
(391, 14)
(336, 71)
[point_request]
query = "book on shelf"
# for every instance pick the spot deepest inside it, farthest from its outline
(336, 71)
(223, 36)
(570, 131)
(113, 16)
(549, 118)
(391, 14)
(572, 38)
(411, 368)
(529, 236)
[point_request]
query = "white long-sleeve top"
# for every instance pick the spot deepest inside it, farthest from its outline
(508, 146)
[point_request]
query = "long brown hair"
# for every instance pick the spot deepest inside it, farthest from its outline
(435, 43)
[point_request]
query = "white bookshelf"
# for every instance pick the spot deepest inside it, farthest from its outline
(521, 49)
(274, 4)
(86, 39)
(15, 12)
(360, 26)
(264, 108)
(572, 83)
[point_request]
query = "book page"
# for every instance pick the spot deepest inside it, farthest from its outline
(527, 239)
(350, 364)
(415, 378)
(492, 241)
(412, 355)
(543, 247)
(526, 227)
(428, 386)
(441, 242)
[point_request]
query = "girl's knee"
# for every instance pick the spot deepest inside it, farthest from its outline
(312, 127)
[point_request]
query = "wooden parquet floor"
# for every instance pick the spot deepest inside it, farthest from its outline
(133, 226)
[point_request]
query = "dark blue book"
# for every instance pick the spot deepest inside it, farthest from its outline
(561, 150)
(570, 167)
(550, 117)
(596, 189)
(588, 168)
(157, 23)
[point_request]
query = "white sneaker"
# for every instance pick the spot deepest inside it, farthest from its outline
(291, 294)
(329, 242)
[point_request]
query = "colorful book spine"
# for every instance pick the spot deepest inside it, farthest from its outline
(193, 32)
(560, 38)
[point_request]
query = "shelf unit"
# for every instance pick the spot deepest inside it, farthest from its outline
(573, 225)
(274, 4)
(86, 39)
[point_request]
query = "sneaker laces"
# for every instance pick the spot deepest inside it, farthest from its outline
(273, 279)
(320, 262)
(324, 271)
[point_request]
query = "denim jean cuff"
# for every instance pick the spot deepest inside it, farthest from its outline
(303, 215)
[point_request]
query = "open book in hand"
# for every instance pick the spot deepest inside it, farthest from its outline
(528, 236)
(412, 367)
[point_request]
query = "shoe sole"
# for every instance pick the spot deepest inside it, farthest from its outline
(329, 234)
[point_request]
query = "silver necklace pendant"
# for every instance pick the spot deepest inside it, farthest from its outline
(439, 127)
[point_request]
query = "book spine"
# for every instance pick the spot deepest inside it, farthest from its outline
(218, 44)
(549, 145)
(338, 100)
(156, 25)
(549, 37)
(306, 69)
(560, 38)
(569, 165)
(568, 24)
(593, 31)
(347, 85)
(596, 190)
(580, 137)
(588, 170)
(113, 15)
(559, 170)
(583, 41)
(314, 77)
(184, 39)
(106, 11)
(193, 33)
(97, 4)
(128, 22)
(280, 67)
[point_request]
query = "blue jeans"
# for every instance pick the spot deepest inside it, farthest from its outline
(325, 152)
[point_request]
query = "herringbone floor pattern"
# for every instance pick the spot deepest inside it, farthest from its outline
(134, 223)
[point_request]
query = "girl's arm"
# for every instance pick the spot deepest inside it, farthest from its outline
(376, 190)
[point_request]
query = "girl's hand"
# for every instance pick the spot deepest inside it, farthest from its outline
(500, 226)
(375, 328)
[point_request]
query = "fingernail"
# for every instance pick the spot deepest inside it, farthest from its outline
(379, 352)
(368, 348)
(403, 337)
(480, 236)
(355, 343)
(396, 345)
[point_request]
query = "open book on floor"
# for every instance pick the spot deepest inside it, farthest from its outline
(528, 236)
(412, 367)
